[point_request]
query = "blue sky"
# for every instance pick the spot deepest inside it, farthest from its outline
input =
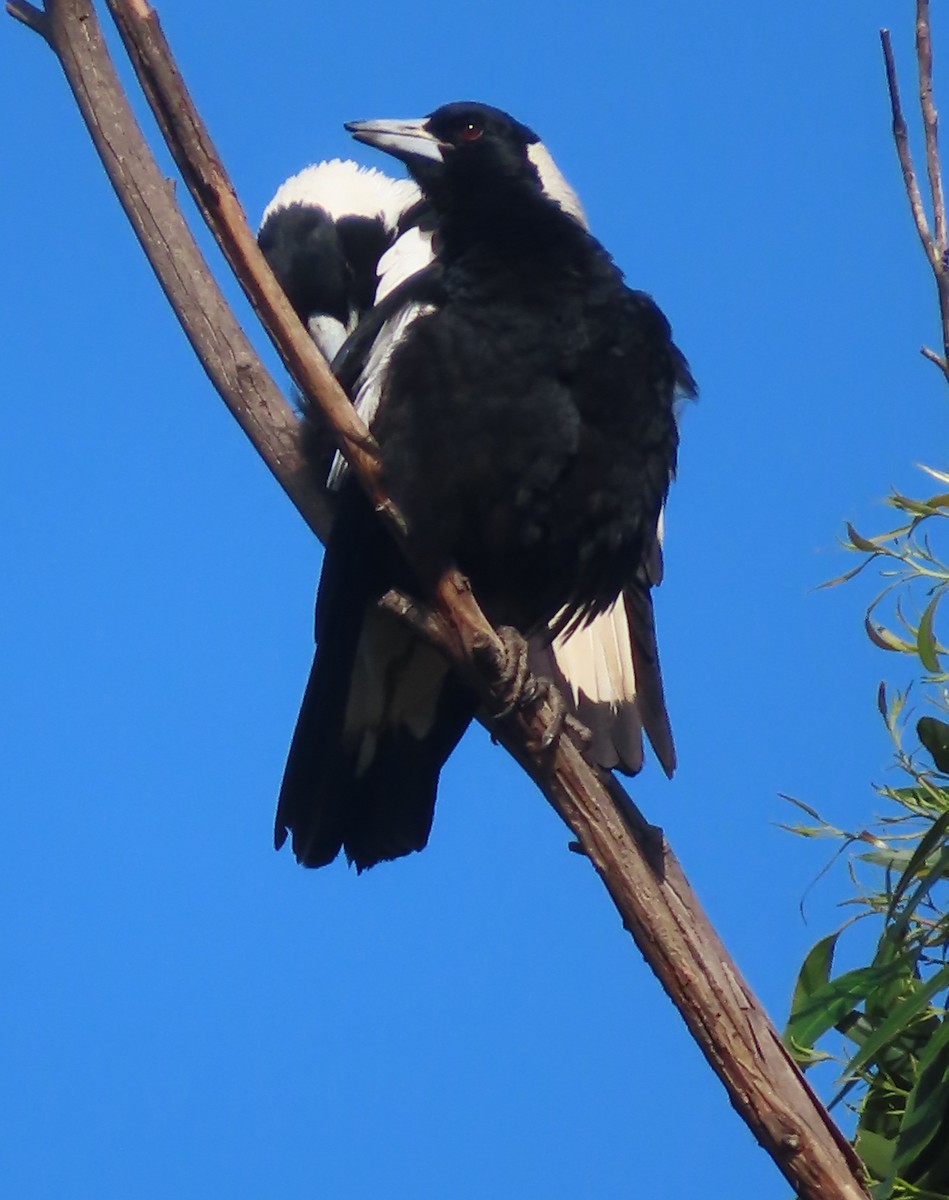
(183, 1012)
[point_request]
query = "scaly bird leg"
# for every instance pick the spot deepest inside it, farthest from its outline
(521, 690)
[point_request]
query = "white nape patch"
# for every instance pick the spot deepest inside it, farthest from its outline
(368, 391)
(554, 184)
(345, 189)
(328, 333)
(597, 660)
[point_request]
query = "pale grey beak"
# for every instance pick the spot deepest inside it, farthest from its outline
(402, 139)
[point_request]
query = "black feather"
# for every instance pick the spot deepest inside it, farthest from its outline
(526, 414)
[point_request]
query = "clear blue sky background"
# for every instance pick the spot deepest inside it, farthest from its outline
(183, 1012)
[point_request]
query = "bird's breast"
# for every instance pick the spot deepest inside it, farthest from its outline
(515, 446)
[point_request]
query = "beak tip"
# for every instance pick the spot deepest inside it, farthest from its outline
(405, 140)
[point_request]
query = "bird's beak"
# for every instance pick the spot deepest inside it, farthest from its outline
(405, 140)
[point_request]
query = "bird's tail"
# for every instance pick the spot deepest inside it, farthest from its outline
(608, 671)
(375, 727)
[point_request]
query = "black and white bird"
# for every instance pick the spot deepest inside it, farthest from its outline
(525, 400)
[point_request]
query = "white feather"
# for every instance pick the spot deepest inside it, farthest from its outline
(597, 660)
(342, 188)
(368, 390)
(554, 184)
(328, 333)
(408, 255)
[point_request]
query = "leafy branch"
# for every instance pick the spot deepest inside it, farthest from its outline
(892, 1012)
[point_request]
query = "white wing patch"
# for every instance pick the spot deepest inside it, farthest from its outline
(343, 188)
(406, 256)
(409, 254)
(597, 659)
(368, 390)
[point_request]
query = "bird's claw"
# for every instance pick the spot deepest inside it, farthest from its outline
(522, 691)
(562, 721)
(517, 687)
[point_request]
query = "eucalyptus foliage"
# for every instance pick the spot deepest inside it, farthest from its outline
(892, 1011)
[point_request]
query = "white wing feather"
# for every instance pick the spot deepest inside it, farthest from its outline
(409, 254)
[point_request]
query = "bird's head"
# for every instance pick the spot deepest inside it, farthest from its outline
(466, 149)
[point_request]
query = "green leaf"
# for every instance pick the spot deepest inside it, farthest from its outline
(895, 936)
(927, 1112)
(934, 735)
(856, 1027)
(890, 860)
(847, 575)
(876, 1153)
(926, 639)
(885, 639)
(861, 543)
(940, 475)
(814, 973)
(915, 795)
(831, 1002)
(898, 1019)
(920, 856)
(895, 708)
(906, 504)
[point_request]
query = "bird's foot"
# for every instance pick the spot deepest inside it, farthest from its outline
(562, 720)
(523, 691)
(517, 689)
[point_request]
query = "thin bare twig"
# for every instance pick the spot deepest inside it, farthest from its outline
(924, 58)
(642, 875)
(901, 139)
(934, 245)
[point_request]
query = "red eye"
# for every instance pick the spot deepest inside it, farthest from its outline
(470, 131)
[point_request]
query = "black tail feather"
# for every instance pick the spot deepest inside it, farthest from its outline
(650, 695)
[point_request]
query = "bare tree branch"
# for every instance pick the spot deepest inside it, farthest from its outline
(34, 18)
(924, 59)
(640, 872)
(149, 202)
(214, 194)
(935, 245)
(901, 139)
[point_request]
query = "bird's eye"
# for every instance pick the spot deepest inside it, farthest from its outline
(470, 131)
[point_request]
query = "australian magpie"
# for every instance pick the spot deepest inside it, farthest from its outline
(323, 235)
(524, 398)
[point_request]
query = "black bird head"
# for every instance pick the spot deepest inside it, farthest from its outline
(471, 153)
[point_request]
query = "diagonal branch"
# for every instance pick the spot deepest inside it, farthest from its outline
(214, 194)
(643, 877)
(207, 180)
(223, 349)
